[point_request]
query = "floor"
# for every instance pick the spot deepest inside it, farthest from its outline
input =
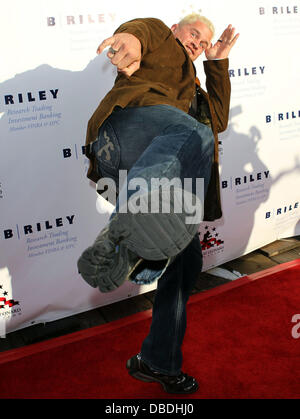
(271, 255)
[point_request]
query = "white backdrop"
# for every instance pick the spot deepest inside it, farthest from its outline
(52, 81)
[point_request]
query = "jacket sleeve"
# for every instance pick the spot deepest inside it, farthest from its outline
(151, 32)
(218, 89)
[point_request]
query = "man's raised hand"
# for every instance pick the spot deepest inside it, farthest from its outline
(223, 46)
(128, 55)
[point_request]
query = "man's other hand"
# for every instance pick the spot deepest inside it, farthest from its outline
(128, 55)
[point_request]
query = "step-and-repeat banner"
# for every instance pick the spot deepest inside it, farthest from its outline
(52, 81)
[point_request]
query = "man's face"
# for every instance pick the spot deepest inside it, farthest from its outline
(195, 37)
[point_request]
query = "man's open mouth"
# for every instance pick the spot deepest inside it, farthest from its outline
(190, 49)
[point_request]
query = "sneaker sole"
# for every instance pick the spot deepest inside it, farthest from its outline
(102, 268)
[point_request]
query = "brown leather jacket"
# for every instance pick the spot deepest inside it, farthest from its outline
(167, 76)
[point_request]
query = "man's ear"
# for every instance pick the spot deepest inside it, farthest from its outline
(174, 27)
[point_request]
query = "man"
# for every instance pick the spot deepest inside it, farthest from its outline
(159, 123)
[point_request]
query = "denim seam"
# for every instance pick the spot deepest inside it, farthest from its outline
(179, 306)
(178, 152)
(203, 154)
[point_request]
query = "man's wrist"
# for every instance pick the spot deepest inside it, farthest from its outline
(215, 59)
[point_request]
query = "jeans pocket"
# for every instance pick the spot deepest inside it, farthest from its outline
(107, 151)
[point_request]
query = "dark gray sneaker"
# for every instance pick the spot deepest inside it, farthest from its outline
(179, 384)
(131, 237)
(106, 264)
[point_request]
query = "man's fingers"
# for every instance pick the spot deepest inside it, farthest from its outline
(132, 68)
(209, 47)
(118, 56)
(126, 61)
(116, 46)
(125, 52)
(225, 33)
(228, 36)
(234, 39)
(107, 42)
(228, 33)
(231, 37)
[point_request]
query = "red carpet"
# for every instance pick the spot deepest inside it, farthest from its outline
(239, 344)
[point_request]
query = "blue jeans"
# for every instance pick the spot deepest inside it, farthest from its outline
(161, 349)
(160, 141)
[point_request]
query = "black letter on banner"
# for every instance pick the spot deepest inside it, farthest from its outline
(51, 21)
(28, 229)
(224, 184)
(9, 99)
(67, 153)
(8, 234)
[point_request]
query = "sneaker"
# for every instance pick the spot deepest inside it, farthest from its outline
(106, 264)
(179, 384)
(131, 237)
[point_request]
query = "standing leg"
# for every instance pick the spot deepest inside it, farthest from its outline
(160, 359)
(161, 349)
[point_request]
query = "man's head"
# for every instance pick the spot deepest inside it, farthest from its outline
(195, 32)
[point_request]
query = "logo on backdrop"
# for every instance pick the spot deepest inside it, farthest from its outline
(252, 188)
(8, 306)
(77, 152)
(287, 123)
(4, 301)
(44, 237)
(247, 71)
(93, 24)
(74, 151)
(37, 110)
(245, 179)
(282, 116)
(249, 81)
(211, 241)
(281, 10)
(285, 22)
(77, 20)
(29, 97)
(284, 210)
(43, 226)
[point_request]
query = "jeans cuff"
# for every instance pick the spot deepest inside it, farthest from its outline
(149, 271)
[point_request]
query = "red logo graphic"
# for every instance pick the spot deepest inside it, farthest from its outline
(210, 240)
(9, 303)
